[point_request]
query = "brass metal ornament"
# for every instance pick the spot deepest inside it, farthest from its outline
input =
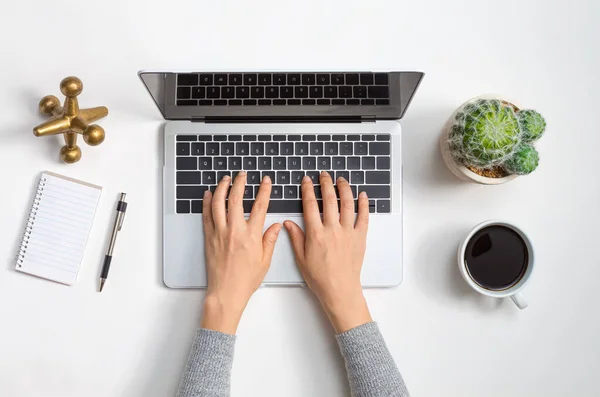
(69, 120)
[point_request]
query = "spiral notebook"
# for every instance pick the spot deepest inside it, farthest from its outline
(58, 227)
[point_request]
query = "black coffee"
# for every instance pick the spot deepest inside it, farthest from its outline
(496, 257)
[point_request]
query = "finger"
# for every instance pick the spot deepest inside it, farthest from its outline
(312, 218)
(269, 240)
(207, 218)
(362, 220)
(261, 204)
(346, 203)
(331, 215)
(235, 211)
(297, 239)
(219, 212)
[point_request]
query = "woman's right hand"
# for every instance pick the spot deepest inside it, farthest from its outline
(330, 254)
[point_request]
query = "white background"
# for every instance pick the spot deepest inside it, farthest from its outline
(133, 339)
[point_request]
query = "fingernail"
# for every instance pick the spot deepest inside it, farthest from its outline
(226, 178)
(363, 194)
(306, 178)
(266, 179)
(242, 173)
(206, 193)
(341, 179)
(324, 173)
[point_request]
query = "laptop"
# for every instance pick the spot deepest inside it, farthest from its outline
(285, 125)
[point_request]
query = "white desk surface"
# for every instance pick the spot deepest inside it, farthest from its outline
(133, 339)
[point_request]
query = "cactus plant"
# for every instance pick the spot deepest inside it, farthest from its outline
(524, 161)
(532, 124)
(485, 134)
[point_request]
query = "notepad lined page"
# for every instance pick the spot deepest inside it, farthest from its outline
(58, 228)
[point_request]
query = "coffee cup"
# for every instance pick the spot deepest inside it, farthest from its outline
(497, 259)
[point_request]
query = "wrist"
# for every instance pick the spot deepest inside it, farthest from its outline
(348, 312)
(219, 316)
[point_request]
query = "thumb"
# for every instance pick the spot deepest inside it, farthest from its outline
(269, 240)
(297, 238)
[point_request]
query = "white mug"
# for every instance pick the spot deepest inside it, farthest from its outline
(513, 292)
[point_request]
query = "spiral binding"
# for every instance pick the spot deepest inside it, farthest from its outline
(31, 221)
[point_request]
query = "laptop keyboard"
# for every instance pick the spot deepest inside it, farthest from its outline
(265, 89)
(202, 160)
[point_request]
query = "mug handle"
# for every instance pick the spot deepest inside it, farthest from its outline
(519, 300)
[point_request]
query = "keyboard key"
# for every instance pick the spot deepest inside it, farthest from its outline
(206, 79)
(379, 148)
(212, 149)
(213, 92)
(301, 92)
(381, 78)
(308, 79)
(384, 206)
(376, 191)
(309, 102)
(182, 149)
(323, 102)
(354, 163)
(286, 92)
(345, 92)
(361, 91)
(294, 102)
(339, 163)
(309, 163)
(316, 92)
(352, 101)
(250, 79)
(283, 177)
(368, 138)
(264, 138)
(294, 163)
(338, 102)
(249, 163)
(343, 174)
(372, 206)
(209, 178)
(279, 163)
(382, 101)
(205, 138)
(220, 163)
(353, 137)
(294, 138)
(279, 138)
(360, 148)
(248, 192)
(253, 178)
(290, 192)
(366, 78)
(186, 138)
(188, 178)
(234, 174)
(346, 148)
(324, 163)
(187, 102)
(187, 163)
(220, 102)
(357, 177)
(264, 163)
(227, 92)
(272, 149)
(323, 137)
(367, 102)
(314, 176)
(235, 102)
(249, 137)
(257, 148)
(220, 138)
(316, 148)
(198, 92)
(264, 79)
(235, 163)
(234, 138)
(227, 149)
(323, 79)
(221, 79)
(205, 163)
(332, 175)
(222, 174)
(338, 137)
(318, 192)
(286, 148)
(284, 206)
(276, 192)
(242, 148)
(184, 92)
(183, 207)
(250, 102)
(337, 78)
(368, 163)
(196, 206)
(331, 92)
(297, 177)
(258, 92)
(272, 92)
(242, 92)
(309, 137)
(378, 92)
(279, 79)
(301, 149)
(235, 79)
(293, 79)
(187, 79)
(383, 137)
(352, 79)
(378, 177)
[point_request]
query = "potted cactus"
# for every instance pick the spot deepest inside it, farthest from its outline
(490, 141)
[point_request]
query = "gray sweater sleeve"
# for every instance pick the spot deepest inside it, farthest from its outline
(208, 369)
(371, 369)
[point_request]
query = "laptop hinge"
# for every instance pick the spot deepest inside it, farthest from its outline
(283, 119)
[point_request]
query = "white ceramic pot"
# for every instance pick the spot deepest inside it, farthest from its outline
(456, 167)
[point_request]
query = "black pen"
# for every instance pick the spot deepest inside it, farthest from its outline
(121, 208)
